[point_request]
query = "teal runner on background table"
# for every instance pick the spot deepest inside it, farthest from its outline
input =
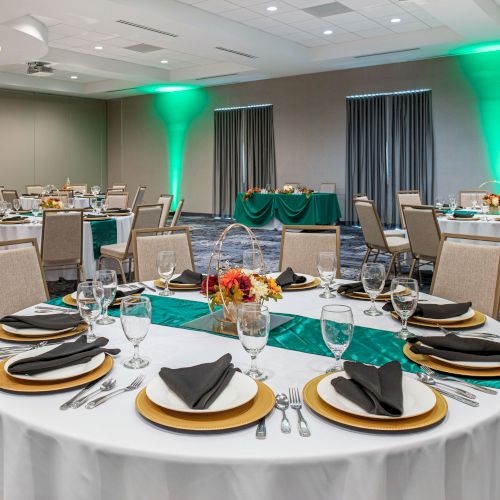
(103, 233)
(312, 209)
(301, 334)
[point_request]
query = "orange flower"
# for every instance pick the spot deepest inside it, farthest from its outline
(230, 278)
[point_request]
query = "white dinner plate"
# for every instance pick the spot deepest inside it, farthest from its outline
(463, 317)
(477, 365)
(309, 280)
(239, 391)
(417, 398)
(33, 332)
(59, 373)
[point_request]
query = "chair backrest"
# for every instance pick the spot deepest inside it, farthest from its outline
(423, 231)
(9, 195)
(300, 246)
(468, 196)
(33, 189)
(117, 200)
(120, 187)
(359, 197)
(407, 198)
(21, 275)
(146, 248)
(114, 191)
(166, 201)
(328, 187)
(370, 224)
(468, 269)
(139, 196)
(177, 214)
(146, 216)
(62, 237)
(79, 188)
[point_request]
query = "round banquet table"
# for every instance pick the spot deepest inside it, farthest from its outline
(112, 453)
(31, 230)
(468, 227)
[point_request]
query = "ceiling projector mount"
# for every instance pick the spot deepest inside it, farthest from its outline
(39, 68)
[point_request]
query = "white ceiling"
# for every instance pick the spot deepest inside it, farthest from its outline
(289, 40)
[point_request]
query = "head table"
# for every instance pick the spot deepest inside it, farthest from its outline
(112, 453)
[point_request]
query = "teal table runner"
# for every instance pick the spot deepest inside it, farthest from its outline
(302, 334)
(103, 233)
(313, 209)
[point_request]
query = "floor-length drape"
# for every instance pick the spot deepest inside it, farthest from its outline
(227, 160)
(259, 147)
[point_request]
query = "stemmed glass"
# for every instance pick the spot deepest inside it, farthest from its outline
(253, 323)
(165, 262)
(439, 202)
(93, 204)
(135, 316)
(337, 328)
(404, 298)
(89, 297)
(95, 190)
(373, 279)
(71, 202)
(485, 209)
(453, 202)
(327, 265)
(98, 206)
(109, 283)
(16, 204)
(35, 210)
(251, 261)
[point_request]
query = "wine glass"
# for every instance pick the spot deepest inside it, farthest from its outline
(8, 208)
(109, 283)
(135, 316)
(98, 206)
(165, 261)
(404, 298)
(35, 210)
(453, 202)
(439, 202)
(93, 203)
(327, 265)
(71, 202)
(89, 297)
(485, 210)
(251, 261)
(373, 279)
(337, 328)
(16, 204)
(95, 190)
(253, 323)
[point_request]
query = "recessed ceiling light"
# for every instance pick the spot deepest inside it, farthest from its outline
(164, 61)
(98, 47)
(395, 20)
(73, 77)
(272, 8)
(328, 32)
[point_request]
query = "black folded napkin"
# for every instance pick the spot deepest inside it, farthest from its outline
(200, 385)
(68, 354)
(125, 293)
(188, 277)
(117, 211)
(58, 321)
(14, 218)
(94, 216)
(463, 215)
(288, 277)
(456, 348)
(436, 311)
(357, 287)
(378, 391)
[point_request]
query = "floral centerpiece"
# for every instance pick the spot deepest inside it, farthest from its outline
(493, 201)
(50, 202)
(289, 189)
(250, 192)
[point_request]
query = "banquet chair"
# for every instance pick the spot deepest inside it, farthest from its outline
(468, 196)
(79, 188)
(147, 246)
(117, 200)
(328, 187)
(21, 276)
(375, 238)
(388, 232)
(423, 234)
(469, 270)
(62, 240)
(9, 195)
(411, 197)
(177, 213)
(114, 191)
(147, 216)
(139, 196)
(300, 246)
(166, 201)
(119, 187)
(33, 189)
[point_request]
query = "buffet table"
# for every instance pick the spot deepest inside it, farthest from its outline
(112, 453)
(270, 210)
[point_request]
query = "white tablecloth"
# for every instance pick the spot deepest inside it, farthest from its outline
(21, 231)
(111, 453)
(79, 202)
(473, 228)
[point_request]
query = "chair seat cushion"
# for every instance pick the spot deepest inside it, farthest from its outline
(397, 244)
(400, 233)
(116, 250)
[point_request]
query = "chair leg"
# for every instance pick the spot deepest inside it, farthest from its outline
(412, 267)
(376, 256)
(391, 264)
(81, 273)
(130, 270)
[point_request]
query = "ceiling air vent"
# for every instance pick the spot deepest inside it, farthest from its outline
(327, 9)
(144, 48)
(147, 28)
(387, 53)
(216, 76)
(231, 51)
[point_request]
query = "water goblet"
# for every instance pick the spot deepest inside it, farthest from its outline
(327, 266)
(95, 190)
(251, 261)
(93, 204)
(439, 202)
(71, 203)
(109, 283)
(16, 204)
(135, 317)
(337, 328)
(453, 202)
(35, 210)
(253, 324)
(89, 297)
(165, 262)
(373, 279)
(404, 298)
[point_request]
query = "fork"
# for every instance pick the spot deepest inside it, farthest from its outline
(436, 375)
(296, 404)
(132, 387)
(483, 335)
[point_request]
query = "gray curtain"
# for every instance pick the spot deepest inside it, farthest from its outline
(227, 160)
(259, 147)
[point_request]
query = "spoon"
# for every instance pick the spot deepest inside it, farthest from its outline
(426, 379)
(282, 404)
(107, 385)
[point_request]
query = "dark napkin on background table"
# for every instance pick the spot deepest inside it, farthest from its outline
(188, 277)
(455, 348)
(125, 293)
(14, 218)
(67, 354)
(94, 216)
(464, 215)
(56, 321)
(357, 287)
(117, 211)
(200, 385)
(436, 311)
(288, 277)
(379, 391)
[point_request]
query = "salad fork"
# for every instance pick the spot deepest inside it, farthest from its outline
(132, 387)
(296, 404)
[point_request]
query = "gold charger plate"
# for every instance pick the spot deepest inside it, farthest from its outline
(297, 288)
(90, 219)
(478, 319)
(31, 387)
(244, 415)
(442, 366)
(11, 337)
(114, 214)
(70, 301)
(421, 422)
(364, 296)
(176, 286)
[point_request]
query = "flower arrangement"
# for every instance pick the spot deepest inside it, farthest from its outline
(492, 200)
(50, 202)
(288, 189)
(250, 192)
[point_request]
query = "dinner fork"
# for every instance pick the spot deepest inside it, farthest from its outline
(132, 387)
(436, 375)
(482, 335)
(296, 404)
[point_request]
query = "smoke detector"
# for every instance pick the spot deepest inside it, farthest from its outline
(39, 68)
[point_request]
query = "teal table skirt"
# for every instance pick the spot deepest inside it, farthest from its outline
(103, 233)
(298, 209)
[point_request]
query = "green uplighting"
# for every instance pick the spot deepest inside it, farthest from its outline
(153, 89)
(476, 48)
